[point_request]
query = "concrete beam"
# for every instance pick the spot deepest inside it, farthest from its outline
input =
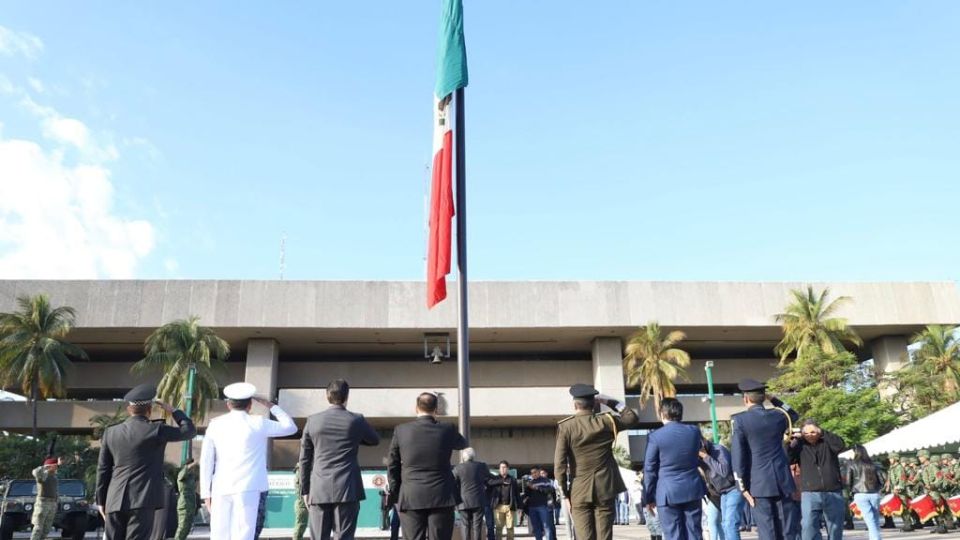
(422, 374)
(394, 405)
(528, 304)
(695, 409)
(70, 415)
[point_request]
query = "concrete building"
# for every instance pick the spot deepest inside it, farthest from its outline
(530, 341)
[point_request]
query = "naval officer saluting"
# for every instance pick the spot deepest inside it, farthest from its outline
(233, 462)
(130, 468)
(759, 459)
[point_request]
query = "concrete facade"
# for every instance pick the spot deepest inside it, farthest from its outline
(529, 342)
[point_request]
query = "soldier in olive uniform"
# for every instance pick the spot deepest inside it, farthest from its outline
(45, 507)
(930, 478)
(947, 488)
(187, 501)
(584, 465)
(897, 484)
(914, 487)
(299, 507)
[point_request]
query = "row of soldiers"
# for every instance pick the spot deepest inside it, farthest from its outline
(935, 475)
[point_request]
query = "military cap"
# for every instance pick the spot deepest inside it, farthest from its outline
(583, 391)
(751, 385)
(142, 394)
(239, 391)
(923, 453)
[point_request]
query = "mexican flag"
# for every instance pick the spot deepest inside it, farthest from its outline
(451, 75)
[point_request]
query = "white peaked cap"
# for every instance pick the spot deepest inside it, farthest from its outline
(240, 390)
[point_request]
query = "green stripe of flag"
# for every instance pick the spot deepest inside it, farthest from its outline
(452, 52)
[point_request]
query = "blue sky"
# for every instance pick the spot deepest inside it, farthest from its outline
(605, 140)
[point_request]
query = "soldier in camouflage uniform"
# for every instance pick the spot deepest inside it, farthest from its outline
(913, 487)
(45, 507)
(947, 488)
(931, 478)
(187, 502)
(897, 484)
(299, 507)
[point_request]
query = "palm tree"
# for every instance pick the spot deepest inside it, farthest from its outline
(939, 357)
(33, 352)
(100, 422)
(654, 362)
(176, 346)
(808, 322)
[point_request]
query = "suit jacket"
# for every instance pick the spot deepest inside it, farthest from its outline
(472, 478)
(759, 459)
(328, 455)
(583, 462)
(130, 468)
(671, 473)
(418, 466)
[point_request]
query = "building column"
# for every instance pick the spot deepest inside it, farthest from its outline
(263, 359)
(607, 353)
(889, 355)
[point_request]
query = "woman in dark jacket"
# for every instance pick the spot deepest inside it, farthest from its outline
(864, 479)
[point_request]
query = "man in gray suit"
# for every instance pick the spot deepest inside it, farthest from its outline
(418, 470)
(130, 485)
(332, 487)
(472, 478)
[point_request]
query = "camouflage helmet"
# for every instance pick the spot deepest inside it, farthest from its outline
(893, 455)
(923, 453)
(944, 457)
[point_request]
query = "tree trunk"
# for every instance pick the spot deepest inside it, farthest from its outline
(33, 397)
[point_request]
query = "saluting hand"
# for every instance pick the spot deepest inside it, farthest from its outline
(265, 402)
(163, 405)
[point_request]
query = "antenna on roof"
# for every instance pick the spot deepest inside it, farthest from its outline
(283, 254)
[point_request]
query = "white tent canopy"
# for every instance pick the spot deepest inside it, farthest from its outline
(939, 429)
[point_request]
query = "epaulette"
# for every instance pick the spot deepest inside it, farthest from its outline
(565, 419)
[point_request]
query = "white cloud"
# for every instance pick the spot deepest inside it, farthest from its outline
(57, 219)
(56, 208)
(37, 85)
(70, 132)
(19, 43)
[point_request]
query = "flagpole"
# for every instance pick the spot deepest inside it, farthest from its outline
(463, 326)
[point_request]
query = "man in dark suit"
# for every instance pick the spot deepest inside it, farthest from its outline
(472, 478)
(759, 459)
(332, 486)
(584, 456)
(671, 476)
(418, 470)
(130, 486)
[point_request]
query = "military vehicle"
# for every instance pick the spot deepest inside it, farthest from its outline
(75, 512)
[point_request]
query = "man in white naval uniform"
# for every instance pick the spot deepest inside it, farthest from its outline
(233, 462)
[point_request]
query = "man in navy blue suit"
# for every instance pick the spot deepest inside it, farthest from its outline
(671, 477)
(759, 460)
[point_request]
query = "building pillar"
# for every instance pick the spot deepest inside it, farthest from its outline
(607, 353)
(889, 355)
(263, 359)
